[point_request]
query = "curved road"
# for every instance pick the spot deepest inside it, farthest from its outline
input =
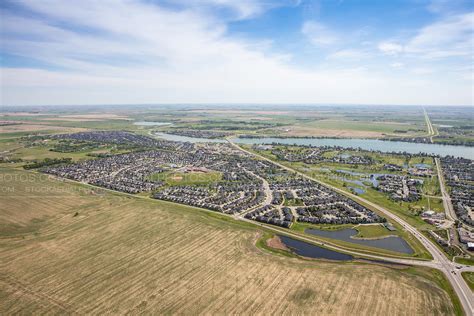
(440, 261)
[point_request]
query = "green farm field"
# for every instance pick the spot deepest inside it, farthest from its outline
(187, 178)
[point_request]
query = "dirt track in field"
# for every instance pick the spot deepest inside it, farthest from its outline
(121, 255)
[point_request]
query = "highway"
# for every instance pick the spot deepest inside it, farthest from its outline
(440, 261)
(431, 131)
(448, 206)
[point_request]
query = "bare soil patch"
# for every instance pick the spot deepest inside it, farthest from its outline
(276, 243)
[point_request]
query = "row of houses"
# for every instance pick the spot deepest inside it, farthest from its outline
(459, 176)
(266, 192)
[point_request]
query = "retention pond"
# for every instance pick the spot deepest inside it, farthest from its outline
(305, 249)
(391, 243)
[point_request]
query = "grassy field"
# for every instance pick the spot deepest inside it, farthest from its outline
(469, 278)
(364, 231)
(68, 248)
(187, 178)
(373, 231)
(467, 261)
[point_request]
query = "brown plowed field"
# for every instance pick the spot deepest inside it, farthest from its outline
(122, 255)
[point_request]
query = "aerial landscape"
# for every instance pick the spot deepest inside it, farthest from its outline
(140, 175)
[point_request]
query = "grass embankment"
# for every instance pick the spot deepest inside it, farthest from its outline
(466, 261)
(439, 279)
(469, 278)
(450, 252)
(373, 231)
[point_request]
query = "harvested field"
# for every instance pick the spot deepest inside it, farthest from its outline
(241, 112)
(104, 116)
(87, 118)
(82, 250)
(23, 114)
(301, 131)
(73, 119)
(28, 127)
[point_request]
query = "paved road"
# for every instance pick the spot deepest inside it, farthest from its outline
(266, 189)
(440, 261)
(431, 131)
(448, 206)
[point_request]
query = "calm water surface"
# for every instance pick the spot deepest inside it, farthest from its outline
(392, 243)
(367, 144)
(312, 251)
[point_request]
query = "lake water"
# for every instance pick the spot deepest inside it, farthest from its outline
(422, 165)
(357, 190)
(312, 251)
(392, 243)
(152, 123)
(363, 177)
(367, 144)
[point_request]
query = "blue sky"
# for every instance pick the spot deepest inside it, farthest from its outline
(248, 51)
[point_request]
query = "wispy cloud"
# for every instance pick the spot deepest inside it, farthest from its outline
(319, 34)
(451, 36)
(390, 48)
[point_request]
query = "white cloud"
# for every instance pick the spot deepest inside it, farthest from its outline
(390, 48)
(452, 36)
(142, 53)
(319, 34)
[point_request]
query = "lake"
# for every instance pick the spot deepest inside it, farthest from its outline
(392, 243)
(305, 249)
(367, 144)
